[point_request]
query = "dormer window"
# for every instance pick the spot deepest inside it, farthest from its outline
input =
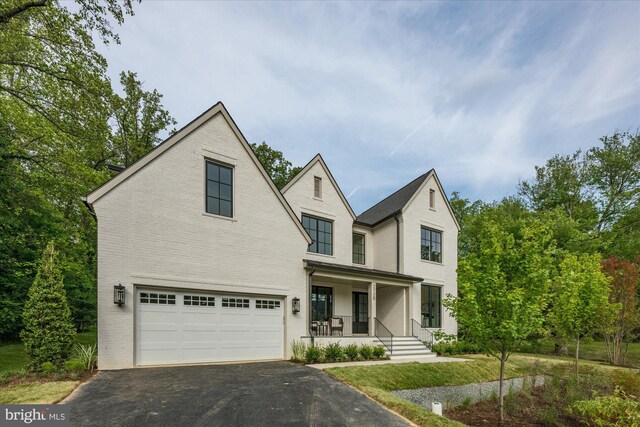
(432, 199)
(317, 187)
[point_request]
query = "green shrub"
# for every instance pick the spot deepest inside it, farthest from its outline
(333, 352)
(366, 351)
(74, 365)
(87, 355)
(378, 352)
(616, 410)
(351, 351)
(299, 349)
(48, 368)
(313, 354)
(455, 347)
(48, 331)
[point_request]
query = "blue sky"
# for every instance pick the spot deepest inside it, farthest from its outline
(481, 92)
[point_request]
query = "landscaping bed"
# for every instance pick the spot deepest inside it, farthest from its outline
(334, 352)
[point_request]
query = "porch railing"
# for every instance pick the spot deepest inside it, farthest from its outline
(339, 326)
(424, 335)
(383, 334)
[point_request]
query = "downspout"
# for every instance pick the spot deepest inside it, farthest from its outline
(309, 310)
(397, 243)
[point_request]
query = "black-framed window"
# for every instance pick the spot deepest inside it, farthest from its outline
(358, 248)
(430, 244)
(219, 189)
(321, 231)
(321, 303)
(431, 306)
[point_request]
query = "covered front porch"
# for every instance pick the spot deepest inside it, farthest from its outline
(348, 302)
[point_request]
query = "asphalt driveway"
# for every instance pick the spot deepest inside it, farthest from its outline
(252, 394)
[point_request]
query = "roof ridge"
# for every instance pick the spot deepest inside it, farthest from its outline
(397, 191)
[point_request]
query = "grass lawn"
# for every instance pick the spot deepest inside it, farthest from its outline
(377, 381)
(18, 387)
(14, 359)
(36, 392)
(594, 350)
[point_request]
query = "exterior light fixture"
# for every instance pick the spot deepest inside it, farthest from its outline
(118, 294)
(295, 305)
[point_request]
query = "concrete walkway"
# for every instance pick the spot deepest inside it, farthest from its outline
(427, 359)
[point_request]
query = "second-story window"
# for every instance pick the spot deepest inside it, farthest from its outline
(317, 187)
(219, 189)
(430, 244)
(321, 231)
(358, 248)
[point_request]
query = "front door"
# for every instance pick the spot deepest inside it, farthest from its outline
(360, 304)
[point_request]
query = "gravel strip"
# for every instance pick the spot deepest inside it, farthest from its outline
(452, 396)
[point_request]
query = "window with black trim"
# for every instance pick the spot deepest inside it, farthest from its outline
(219, 189)
(430, 307)
(430, 244)
(358, 248)
(321, 231)
(321, 303)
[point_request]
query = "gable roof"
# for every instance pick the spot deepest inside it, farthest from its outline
(392, 204)
(398, 201)
(318, 159)
(161, 148)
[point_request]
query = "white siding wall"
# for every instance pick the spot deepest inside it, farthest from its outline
(390, 308)
(384, 246)
(418, 214)
(330, 206)
(152, 230)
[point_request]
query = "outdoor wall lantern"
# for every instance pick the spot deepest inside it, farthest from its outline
(118, 294)
(295, 305)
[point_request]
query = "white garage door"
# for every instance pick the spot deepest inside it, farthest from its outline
(196, 327)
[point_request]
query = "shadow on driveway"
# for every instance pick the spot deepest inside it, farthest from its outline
(252, 394)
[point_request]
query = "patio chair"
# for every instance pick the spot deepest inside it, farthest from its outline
(336, 324)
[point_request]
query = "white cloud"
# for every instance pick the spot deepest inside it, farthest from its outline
(386, 91)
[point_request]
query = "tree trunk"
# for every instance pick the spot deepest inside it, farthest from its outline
(561, 349)
(503, 360)
(577, 357)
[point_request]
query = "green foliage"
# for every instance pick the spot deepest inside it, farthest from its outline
(60, 125)
(48, 332)
(87, 355)
(74, 366)
(455, 347)
(378, 352)
(314, 354)
(279, 169)
(351, 351)
(333, 352)
(616, 410)
(48, 368)
(299, 349)
(366, 351)
(581, 299)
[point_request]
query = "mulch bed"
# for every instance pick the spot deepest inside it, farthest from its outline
(524, 410)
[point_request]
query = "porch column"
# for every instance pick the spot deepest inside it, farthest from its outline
(372, 308)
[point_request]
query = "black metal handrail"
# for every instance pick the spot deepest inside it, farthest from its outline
(339, 325)
(383, 334)
(424, 335)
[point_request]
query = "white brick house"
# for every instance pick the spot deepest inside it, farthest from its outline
(214, 258)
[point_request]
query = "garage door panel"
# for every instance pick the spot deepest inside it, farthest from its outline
(187, 327)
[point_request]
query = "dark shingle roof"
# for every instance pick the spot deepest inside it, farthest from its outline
(391, 205)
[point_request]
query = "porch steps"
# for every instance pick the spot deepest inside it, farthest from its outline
(408, 347)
